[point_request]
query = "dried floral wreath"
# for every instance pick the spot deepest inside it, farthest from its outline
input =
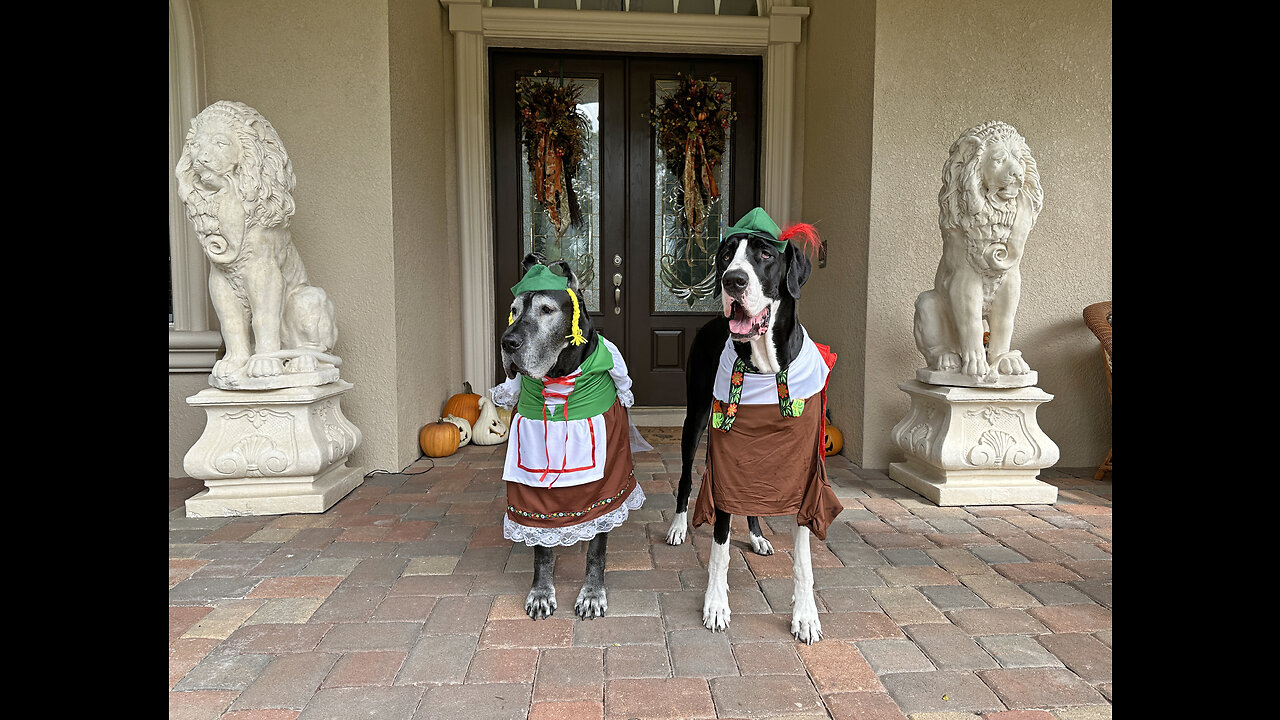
(554, 133)
(690, 126)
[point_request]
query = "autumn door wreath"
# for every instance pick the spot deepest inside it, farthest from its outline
(554, 133)
(691, 125)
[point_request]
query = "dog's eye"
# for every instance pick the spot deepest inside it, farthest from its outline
(765, 255)
(547, 309)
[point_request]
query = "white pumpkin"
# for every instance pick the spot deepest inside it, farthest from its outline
(464, 428)
(489, 428)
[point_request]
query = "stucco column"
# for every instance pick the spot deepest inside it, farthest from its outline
(475, 216)
(779, 99)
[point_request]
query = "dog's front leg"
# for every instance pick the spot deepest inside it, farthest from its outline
(695, 421)
(715, 605)
(804, 611)
(591, 599)
(541, 602)
(680, 520)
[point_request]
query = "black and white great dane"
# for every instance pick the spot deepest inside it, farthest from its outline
(759, 287)
(535, 344)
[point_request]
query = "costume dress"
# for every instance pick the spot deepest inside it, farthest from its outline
(569, 470)
(765, 448)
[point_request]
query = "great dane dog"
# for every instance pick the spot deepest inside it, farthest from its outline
(556, 363)
(759, 285)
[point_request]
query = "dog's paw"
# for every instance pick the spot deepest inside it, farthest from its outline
(591, 603)
(541, 603)
(679, 528)
(805, 625)
(760, 545)
(715, 612)
(806, 630)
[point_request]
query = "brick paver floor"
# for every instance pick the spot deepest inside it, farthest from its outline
(403, 601)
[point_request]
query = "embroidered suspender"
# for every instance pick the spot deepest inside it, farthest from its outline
(723, 414)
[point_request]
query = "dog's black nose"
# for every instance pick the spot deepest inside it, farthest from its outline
(512, 343)
(735, 280)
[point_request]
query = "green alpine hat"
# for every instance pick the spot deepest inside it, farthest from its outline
(758, 222)
(539, 277)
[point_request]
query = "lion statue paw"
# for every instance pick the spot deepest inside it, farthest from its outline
(1011, 363)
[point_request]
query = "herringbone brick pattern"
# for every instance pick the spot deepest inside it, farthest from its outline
(403, 601)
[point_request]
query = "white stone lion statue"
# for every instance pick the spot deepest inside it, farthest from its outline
(237, 183)
(990, 199)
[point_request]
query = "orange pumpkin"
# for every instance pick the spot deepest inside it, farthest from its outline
(438, 439)
(465, 405)
(834, 440)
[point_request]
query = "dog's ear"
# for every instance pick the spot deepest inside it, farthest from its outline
(566, 272)
(798, 269)
(530, 260)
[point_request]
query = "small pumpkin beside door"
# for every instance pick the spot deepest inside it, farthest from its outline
(439, 439)
(465, 405)
(834, 440)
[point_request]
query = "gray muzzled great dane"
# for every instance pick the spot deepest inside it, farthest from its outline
(552, 348)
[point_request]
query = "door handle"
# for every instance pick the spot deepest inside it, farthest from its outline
(617, 293)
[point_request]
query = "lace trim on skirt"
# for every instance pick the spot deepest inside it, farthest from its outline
(552, 537)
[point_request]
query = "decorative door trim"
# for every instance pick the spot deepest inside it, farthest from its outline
(477, 27)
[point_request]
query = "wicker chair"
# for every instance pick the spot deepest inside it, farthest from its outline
(1098, 318)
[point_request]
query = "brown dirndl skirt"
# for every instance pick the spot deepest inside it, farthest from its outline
(563, 507)
(769, 465)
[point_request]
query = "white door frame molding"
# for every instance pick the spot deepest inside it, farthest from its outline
(476, 27)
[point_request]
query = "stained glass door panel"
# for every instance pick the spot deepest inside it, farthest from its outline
(551, 230)
(687, 220)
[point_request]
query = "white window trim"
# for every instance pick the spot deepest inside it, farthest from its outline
(773, 35)
(193, 345)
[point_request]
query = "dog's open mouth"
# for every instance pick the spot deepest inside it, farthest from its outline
(746, 327)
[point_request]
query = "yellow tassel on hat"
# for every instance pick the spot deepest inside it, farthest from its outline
(576, 338)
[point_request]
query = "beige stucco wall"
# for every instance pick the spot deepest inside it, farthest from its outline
(939, 68)
(427, 309)
(357, 92)
(833, 191)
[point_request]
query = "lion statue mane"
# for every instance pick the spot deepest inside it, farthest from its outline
(989, 201)
(236, 181)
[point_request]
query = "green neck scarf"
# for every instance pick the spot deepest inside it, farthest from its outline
(592, 391)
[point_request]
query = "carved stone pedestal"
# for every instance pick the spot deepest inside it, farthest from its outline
(974, 446)
(272, 452)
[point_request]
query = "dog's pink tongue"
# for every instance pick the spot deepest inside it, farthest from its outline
(741, 323)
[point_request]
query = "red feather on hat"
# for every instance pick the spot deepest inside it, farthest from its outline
(806, 236)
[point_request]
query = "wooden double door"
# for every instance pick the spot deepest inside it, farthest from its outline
(648, 281)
